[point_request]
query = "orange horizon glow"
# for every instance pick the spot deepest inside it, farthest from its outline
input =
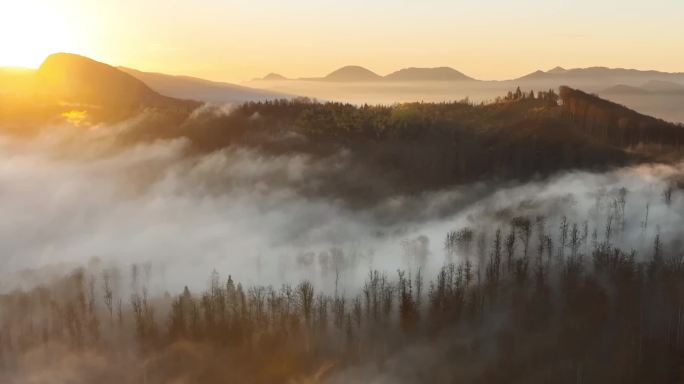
(239, 40)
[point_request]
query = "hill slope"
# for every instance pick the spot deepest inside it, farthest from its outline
(352, 73)
(202, 90)
(615, 124)
(79, 79)
(73, 89)
(427, 74)
(416, 147)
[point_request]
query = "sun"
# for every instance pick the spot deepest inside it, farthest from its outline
(31, 30)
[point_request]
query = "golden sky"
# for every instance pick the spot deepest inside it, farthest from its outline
(236, 40)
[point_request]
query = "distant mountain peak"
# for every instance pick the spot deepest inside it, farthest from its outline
(352, 73)
(273, 77)
(557, 70)
(427, 74)
(538, 74)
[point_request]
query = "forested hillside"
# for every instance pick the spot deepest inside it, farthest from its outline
(380, 151)
(407, 148)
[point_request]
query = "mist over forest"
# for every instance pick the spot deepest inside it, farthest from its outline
(532, 238)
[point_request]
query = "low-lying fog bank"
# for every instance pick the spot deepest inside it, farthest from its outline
(238, 211)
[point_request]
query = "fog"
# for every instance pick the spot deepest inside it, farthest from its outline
(73, 198)
(76, 197)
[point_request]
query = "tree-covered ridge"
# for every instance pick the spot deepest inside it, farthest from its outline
(572, 110)
(373, 152)
(413, 147)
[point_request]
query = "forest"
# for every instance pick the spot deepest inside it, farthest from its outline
(412, 147)
(521, 297)
(524, 291)
(400, 149)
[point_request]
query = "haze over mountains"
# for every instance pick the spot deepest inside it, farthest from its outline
(72, 76)
(652, 86)
(654, 93)
(616, 75)
(359, 85)
(391, 144)
(654, 97)
(427, 74)
(351, 73)
(79, 79)
(149, 193)
(187, 87)
(356, 73)
(80, 90)
(76, 84)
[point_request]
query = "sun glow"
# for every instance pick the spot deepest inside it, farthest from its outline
(29, 32)
(75, 117)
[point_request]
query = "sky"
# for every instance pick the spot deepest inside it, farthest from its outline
(236, 40)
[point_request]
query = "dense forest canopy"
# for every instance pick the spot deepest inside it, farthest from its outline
(408, 148)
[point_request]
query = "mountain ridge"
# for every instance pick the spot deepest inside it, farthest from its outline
(356, 73)
(81, 79)
(427, 74)
(201, 89)
(353, 73)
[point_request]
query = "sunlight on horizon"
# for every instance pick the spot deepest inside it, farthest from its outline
(217, 40)
(30, 33)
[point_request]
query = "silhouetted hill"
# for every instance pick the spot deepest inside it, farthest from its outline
(602, 75)
(187, 87)
(273, 77)
(352, 73)
(427, 74)
(79, 79)
(538, 74)
(557, 70)
(73, 89)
